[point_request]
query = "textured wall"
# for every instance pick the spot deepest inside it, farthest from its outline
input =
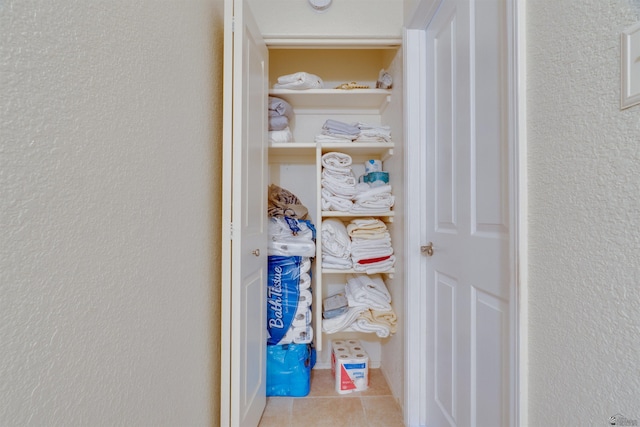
(109, 212)
(584, 217)
(344, 18)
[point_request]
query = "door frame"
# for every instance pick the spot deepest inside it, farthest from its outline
(414, 39)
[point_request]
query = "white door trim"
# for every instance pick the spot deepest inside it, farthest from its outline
(414, 265)
(415, 132)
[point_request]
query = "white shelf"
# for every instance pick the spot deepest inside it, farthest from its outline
(384, 150)
(335, 99)
(351, 271)
(336, 214)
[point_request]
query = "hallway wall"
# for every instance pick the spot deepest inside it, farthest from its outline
(584, 226)
(110, 150)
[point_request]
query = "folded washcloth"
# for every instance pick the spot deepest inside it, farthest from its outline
(298, 81)
(338, 162)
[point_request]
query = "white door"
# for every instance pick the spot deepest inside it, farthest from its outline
(467, 216)
(243, 396)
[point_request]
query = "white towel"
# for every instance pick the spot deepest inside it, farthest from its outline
(343, 321)
(331, 202)
(284, 135)
(339, 162)
(366, 228)
(339, 178)
(335, 240)
(332, 138)
(339, 189)
(383, 323)
(298, 81)
(360, 255)
(367, 291)
(376, 267)
(336, 263)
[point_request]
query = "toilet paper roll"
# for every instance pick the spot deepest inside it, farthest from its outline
(301, 335)
(305, 281)
(305, 265)
(305, 298)
(372, 166)
(302, 317)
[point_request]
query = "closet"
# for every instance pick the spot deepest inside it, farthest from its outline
(296, 167)
(454, 355)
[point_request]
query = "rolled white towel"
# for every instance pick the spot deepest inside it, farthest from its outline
(339, 162)
(299, 80)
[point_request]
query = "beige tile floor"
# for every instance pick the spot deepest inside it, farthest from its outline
(374, 407)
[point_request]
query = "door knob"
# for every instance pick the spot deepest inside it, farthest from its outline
(427, 249)
(256, 252)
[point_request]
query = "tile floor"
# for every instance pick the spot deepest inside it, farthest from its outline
(374, 407)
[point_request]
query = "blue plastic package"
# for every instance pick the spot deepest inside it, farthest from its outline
(289, 369)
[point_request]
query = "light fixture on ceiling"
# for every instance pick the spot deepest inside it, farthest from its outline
(320, 5)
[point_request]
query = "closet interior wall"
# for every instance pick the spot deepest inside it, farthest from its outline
(295, 167)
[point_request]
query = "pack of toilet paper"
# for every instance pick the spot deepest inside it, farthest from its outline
(289, 300)
(349, 366)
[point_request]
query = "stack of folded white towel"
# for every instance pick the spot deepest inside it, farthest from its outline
(341, 191)
(371, 250)
(373, 133)
(372, 200)
(369, 308)
(299, 81)
(338, 182)
(337, 131)
(280, 113)
(336, 245)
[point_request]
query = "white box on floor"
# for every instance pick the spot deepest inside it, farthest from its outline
(349, 366)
